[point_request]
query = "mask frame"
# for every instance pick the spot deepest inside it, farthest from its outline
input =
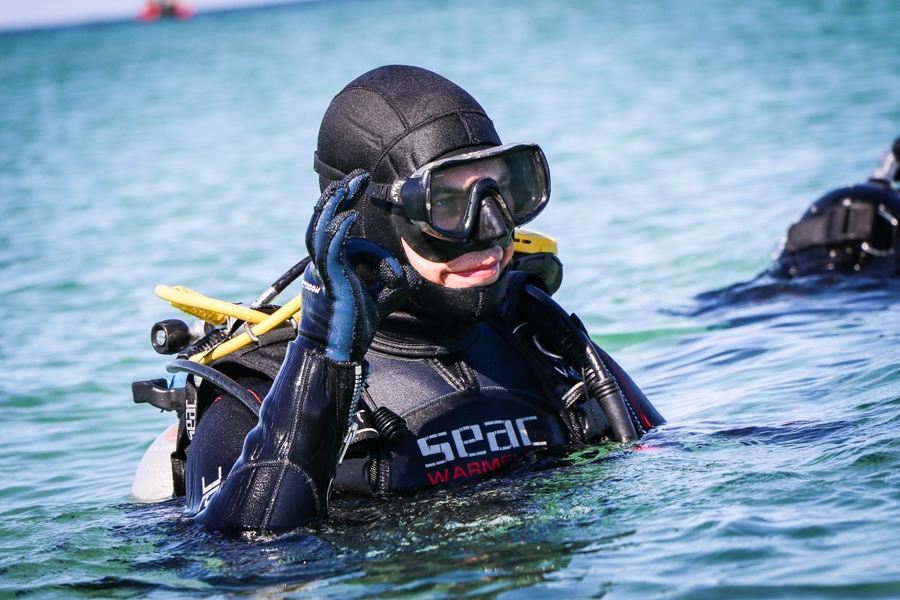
(416, 194)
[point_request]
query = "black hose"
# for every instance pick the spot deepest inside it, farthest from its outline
(292, 274)
(218, 379)
(205, 344)
(607, 392)
(578, 351)
(282, 282)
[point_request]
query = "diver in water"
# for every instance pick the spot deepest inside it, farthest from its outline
(422, 356)
(848, 231)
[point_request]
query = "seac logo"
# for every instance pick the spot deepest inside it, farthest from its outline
(471, 440)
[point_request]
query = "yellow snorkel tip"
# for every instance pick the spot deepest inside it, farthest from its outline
(215, 312)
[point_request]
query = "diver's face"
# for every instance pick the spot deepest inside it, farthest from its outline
(482, 267)
(467, 271)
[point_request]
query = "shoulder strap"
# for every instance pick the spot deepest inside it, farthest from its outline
(850, 223)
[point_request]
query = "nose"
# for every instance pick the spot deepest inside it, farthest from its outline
(491, 225)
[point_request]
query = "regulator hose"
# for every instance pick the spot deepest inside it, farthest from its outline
(281, 283)
(218, 379)
(578, 350)
(205, 344)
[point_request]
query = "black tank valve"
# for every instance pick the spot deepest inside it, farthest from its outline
(170, 336)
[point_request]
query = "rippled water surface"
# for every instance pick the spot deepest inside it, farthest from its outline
(682, 141)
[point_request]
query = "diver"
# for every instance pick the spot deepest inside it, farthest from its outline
(848, 231)
(424, 355)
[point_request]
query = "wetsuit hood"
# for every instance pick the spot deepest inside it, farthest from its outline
(389, 122)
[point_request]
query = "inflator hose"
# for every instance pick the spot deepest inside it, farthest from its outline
(218, 379)
(281, 283)
(578, 350)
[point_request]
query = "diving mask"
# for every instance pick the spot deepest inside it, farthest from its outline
(444, 197)
(466, 202)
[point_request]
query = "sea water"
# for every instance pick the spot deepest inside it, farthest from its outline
(683, 140)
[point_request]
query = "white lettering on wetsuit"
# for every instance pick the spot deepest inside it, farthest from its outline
(468, 441)
(190, 415)
(315, 289)
(209, 490)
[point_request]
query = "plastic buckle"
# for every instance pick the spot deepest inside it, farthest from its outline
(157, 393)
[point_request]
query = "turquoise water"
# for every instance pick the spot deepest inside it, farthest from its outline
(683, 142)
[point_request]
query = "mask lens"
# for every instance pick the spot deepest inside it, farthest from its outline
(449, 203)
(523, 185)
(520, 175)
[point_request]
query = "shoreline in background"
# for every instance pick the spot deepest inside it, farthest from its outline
(59, 14)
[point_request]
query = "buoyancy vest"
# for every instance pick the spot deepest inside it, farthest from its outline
(474, 399)
(469, 412)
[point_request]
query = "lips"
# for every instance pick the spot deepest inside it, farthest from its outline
(480, 265)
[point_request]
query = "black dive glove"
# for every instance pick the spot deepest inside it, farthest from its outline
(340, 314)
(284, 474)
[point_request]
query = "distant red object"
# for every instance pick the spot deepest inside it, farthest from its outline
(155, 10)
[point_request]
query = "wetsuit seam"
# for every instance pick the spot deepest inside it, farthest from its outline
(410, 129)
(446, 375)
(397, 356)
(383, 97)
(284, 464)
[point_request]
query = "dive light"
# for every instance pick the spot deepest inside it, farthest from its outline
(170, 336)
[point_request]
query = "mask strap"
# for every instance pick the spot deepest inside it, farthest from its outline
(381, 191)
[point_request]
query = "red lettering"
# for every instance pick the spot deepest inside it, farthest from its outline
(474, 468)
(507, 458)
(438, 477)
(490, 466)
(458, 472)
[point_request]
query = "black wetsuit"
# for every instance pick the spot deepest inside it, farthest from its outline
(474, 398)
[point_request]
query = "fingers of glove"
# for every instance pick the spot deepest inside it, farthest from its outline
(330, 264)
(357, 183)
(337, 197)
(327, 193)
(391, 273)
(390, 298)
(381, 264)
(316, 242)
(344, 291)
(375, 257)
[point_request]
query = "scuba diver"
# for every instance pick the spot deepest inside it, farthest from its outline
(426, 352)
(848, 231)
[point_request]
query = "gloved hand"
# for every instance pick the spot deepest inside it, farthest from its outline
(340, 313)
(288, 461)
